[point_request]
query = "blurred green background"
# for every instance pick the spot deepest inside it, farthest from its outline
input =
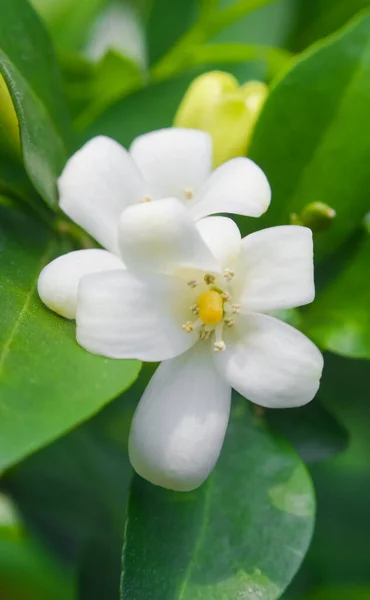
(62, 511)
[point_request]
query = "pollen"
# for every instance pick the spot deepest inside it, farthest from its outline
(228, 274)
(189, 193)
(211, 309)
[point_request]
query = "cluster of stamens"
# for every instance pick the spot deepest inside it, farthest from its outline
(212, 310)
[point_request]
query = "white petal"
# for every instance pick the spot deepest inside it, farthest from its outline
(97, 183)
(161, 237)
(238, 186)
(120, 316)
(222, 237)
(275, 269)
(180, 422)
(175, 162)
(58, 281)
(270, 362)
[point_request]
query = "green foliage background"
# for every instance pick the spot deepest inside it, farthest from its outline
(69, 501)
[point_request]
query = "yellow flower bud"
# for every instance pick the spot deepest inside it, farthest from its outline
(217, 104)
(9, 129)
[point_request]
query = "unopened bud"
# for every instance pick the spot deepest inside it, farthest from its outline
(317, 216)
(9, 129)
(217, 104)
(366, 222)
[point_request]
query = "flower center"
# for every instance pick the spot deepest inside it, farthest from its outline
(211, 307)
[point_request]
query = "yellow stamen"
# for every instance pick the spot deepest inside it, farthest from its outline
(211, 308)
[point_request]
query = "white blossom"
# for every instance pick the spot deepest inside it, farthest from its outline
(192, 294)
(102, 179)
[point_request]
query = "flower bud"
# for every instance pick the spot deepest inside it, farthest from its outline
(316, 215)
(217, 104)
(9, 129)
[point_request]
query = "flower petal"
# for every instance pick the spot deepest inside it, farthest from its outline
(275, 269)
(58, 281)
(161, 237)
(238, 186)
(174, 161)
(222, 237)
(180, 422)
(97, 183)
(120, 316)
(270, 362)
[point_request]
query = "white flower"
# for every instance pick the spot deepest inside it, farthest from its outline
(195, 296)
(102, 179)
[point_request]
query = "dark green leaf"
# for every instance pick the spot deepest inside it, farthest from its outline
(241, 534)
(168, 21)
(150, 108)
(48, 383)
(29, 68)
(339, 319)
(314, 432)
(313, 135)
(26, 570)
(318, 18)
(342, 592)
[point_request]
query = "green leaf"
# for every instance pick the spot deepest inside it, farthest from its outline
(342, 592)
(339, 319)
(150, 108)
(313, 136)
(69, 32)
(241, 534)
(26, 570)
(29, 68)
(319, 18)
(48, 383)
(313, 431)
(113, 77)
(269, 24)
(168, 21)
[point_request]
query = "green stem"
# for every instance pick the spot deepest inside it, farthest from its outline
(209, 24)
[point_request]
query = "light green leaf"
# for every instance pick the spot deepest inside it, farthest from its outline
(69, 32)
(339, 319)
(48, 383)
(241, 534)
(29, 68)
(313, 135)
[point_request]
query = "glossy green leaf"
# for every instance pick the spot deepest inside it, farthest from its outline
(313, 135)
(241, 534)
(48, 383)
(29, 68)
(339, 319)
